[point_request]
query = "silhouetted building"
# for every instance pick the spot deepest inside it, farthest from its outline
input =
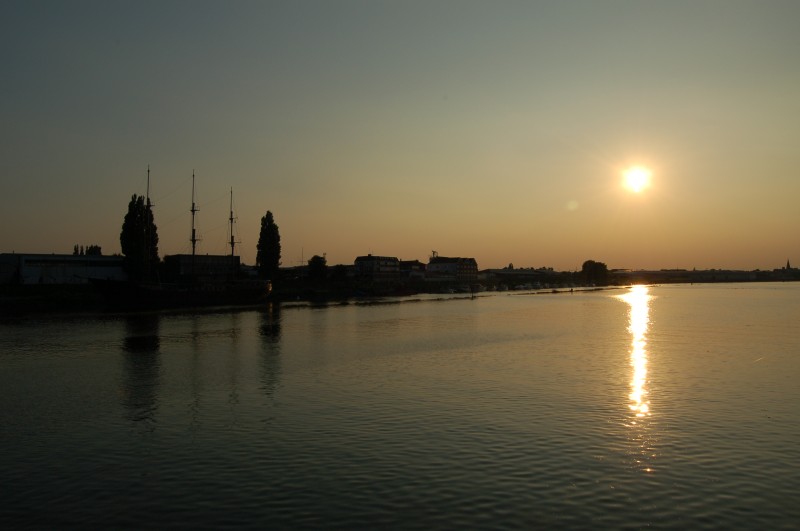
(522, 275)
(377, 267)
(412, 269)
(58, 268)
(446, 268)
(202, 267)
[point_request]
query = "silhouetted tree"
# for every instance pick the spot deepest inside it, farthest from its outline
(268, 257)
(594, 272)
(89, 250)
(139, 240)
(317, 267)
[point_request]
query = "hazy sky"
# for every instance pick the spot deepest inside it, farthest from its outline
(490, 129)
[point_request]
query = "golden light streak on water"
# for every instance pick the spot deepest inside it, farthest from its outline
(639, 317)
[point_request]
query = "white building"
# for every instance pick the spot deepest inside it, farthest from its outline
(58, 268)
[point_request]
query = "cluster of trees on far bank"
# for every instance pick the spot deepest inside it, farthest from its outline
(594, 272)
(89, 250)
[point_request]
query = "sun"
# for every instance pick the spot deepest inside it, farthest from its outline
(636, 178)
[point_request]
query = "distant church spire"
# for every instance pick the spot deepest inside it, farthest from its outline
(788, 265)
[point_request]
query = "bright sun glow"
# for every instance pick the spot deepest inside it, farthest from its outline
(636, 178)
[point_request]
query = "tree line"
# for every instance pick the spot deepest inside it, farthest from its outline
(89, 250)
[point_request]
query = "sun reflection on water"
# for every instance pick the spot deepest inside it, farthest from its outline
(641, 436)
(639, 317)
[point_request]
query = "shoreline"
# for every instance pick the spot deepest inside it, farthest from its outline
(59, 300)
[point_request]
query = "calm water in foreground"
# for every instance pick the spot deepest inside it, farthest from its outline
(669, 407)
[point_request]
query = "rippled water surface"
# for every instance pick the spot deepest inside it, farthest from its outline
(667, 407)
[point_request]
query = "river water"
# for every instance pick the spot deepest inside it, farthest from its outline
(665, 407)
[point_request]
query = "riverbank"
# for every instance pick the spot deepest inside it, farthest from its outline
(84, 298)
(46, 298)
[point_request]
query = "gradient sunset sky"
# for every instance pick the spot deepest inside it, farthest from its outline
(491, 129)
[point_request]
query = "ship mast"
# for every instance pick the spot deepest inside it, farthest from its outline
(194, 209)
(231, 219)
(148, 244)
(193, 239)
(148, 187)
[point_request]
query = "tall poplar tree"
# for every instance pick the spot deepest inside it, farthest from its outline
(139, 240)
(268, 257)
